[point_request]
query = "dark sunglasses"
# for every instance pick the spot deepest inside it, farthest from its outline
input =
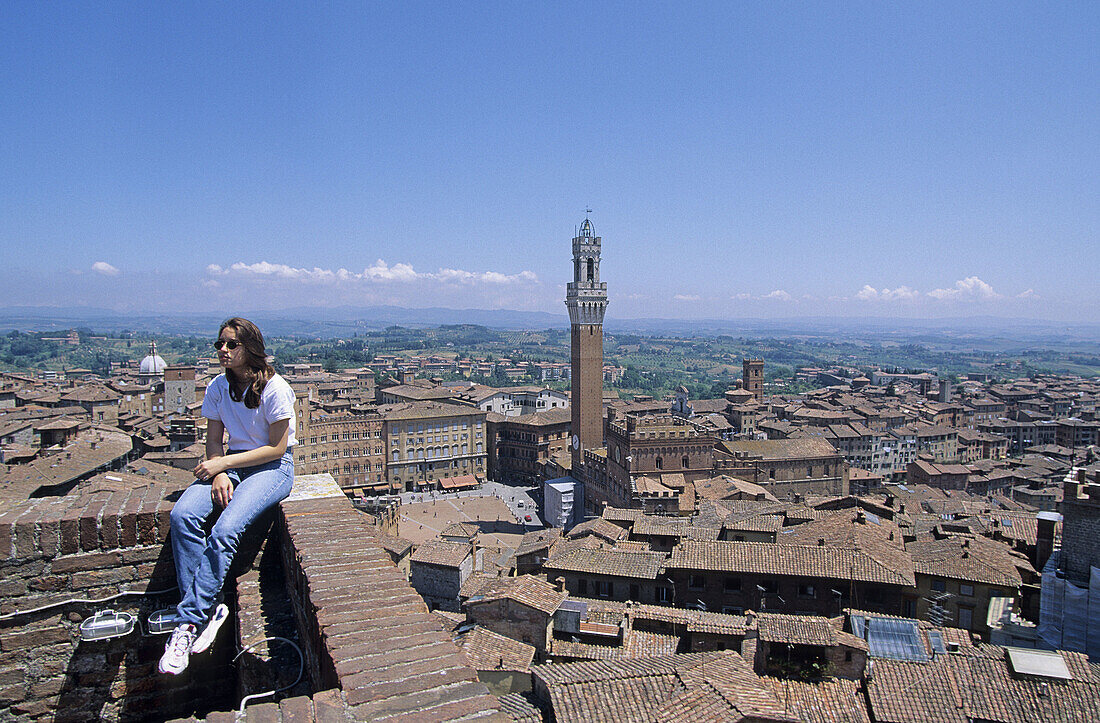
(227, 343)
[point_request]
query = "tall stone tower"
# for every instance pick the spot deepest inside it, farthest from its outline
(752, 376)
(586, 299)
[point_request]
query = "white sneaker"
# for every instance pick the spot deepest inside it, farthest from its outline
(206, 637)
(178, 650)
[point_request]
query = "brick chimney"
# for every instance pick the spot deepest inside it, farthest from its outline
(1044, 538)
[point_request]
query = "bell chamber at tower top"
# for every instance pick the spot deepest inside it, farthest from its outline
(586, 295)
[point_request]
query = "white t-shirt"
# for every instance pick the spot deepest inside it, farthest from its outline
(248, 428)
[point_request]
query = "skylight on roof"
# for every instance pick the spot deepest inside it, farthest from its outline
(1042, 663)
(892, 638)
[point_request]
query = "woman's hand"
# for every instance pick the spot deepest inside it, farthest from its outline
(221, 490)
(209, 469)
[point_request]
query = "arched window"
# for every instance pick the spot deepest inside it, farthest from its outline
(591, 270)
(659, 463)
(684, 462)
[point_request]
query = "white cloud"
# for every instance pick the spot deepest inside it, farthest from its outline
(778, 295)
(901, 293)
(102, 267)
(969, 289)
(1029, 294)
(378, 272)
(687, 297)
(743, 296)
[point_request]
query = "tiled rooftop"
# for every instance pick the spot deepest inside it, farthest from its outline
(644, 565)
(793, 560)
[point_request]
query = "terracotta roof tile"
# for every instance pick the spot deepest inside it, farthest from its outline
(438, 552)
(794, 560)
(614, 562)
(487, 650)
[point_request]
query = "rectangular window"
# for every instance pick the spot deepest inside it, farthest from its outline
(663, 594)
(731, 584)
(582, 586)
(696, 582)
(939, 585)
(966, 590)
(806, 591)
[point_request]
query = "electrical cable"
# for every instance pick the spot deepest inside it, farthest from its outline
(301, 669)
(82, 601)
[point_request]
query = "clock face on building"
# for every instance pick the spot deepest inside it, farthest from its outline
(576, 442)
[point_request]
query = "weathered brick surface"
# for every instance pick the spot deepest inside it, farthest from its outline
(262, 713)
(365, 633)
(413, 704)
(296, 709)
(366, 630)
(80, 563)
(64, 548)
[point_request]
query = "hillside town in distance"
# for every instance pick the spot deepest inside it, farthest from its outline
(884, 547)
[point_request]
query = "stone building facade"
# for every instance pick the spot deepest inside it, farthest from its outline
(522, 444)
(349, 446)
(179, 388)
(430, 441)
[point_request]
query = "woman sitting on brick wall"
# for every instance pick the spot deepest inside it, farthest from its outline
(254, 406)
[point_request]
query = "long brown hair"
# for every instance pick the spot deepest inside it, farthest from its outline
(252, 341)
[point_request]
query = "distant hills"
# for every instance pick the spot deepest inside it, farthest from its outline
(346, 320)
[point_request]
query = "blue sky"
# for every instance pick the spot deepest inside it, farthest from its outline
(741, 159)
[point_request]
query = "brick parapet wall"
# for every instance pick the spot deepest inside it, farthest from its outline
(90, 546)
(102, 520)
(371, 645)
(364, 629)
(329, 706)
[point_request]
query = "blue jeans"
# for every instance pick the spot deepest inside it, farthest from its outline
(202, 562)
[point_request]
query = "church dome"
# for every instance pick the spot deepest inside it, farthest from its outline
(153, 363)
